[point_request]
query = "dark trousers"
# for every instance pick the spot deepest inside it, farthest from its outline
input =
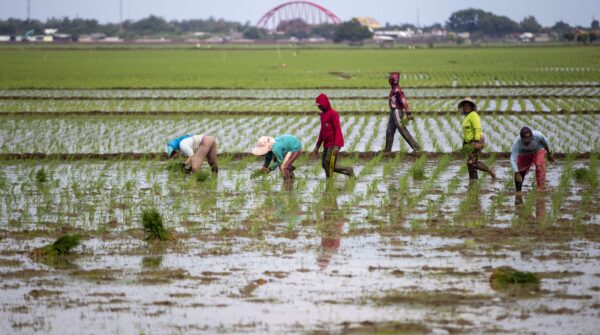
(395, 122)
(329, 161)
(473, 163)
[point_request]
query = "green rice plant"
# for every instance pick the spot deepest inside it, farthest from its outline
(174, 166)
(152, 221)
(41, 176)
(588, 194)
(202, 176)
(469, 209)
(371, 165)
(257, 174)
(561, 191)
(417, 170)
(582, 174)
(505, 278)
(62, 246)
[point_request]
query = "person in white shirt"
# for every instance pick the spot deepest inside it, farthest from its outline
(195, 148)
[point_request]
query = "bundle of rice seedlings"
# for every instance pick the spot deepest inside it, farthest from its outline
(62, 246)
(41, 176)
(202, 176)
(153, 225)
(506, 277)
(419, 173)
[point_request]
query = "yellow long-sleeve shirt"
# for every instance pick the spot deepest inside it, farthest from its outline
(471, 126)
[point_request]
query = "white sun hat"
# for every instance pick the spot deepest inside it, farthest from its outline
(263, 145)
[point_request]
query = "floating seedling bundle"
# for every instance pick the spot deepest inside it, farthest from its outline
(154, 227)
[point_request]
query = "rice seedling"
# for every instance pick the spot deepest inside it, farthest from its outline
(202, 176)
(41, 176)
(417, 170)
(62, 246)
(582, 174)
(152, 222)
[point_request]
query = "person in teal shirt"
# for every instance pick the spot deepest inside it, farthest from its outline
(279, 152)
(473, 141)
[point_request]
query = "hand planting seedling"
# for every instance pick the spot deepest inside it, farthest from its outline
(62, 246)
(258, 173)
(153, 225)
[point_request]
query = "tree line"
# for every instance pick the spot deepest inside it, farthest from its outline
(479, 23)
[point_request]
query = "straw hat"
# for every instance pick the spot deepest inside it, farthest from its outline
(263, 145)
(469, 100)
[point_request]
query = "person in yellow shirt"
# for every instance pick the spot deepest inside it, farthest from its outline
(473, 141)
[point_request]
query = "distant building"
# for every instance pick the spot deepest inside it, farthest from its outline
(527, 37)
(543, 38)
(63, 38)
(408, 33)
(368, 22)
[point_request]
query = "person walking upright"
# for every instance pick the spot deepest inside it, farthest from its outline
(398, 107)
(473, 140)
(331, 137)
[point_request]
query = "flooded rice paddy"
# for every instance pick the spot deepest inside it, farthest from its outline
(386, 252)
(408, 246)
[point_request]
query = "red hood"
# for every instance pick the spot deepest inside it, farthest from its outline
(394, 78)
(323, 100)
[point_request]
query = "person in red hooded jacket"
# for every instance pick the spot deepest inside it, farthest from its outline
(398, 106)
(331, 137)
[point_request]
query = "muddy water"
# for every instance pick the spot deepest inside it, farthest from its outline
(254, 256)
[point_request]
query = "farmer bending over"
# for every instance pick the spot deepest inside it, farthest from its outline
(530, 147)
(195, 148)
(331, 137)
(398, 106)
(282, 150)
(473, 141)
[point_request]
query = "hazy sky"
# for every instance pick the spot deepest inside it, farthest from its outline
(574, 12)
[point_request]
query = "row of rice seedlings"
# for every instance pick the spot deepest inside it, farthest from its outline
(588, 177)
(357, 129)
(434, 206)
(560, 194)
(417, 171)
(266, 105)
(469, 211)
(98, 136)
(569, 140)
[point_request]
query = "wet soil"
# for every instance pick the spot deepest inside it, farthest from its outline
(347, 256)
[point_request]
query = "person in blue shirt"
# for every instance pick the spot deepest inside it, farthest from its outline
(529, 148)
(279, 152)
(195, 148)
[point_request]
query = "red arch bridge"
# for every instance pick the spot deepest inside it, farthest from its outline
(296, 16)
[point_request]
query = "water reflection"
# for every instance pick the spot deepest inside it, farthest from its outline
(332, 226)
(525, 206)
(469, 211)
